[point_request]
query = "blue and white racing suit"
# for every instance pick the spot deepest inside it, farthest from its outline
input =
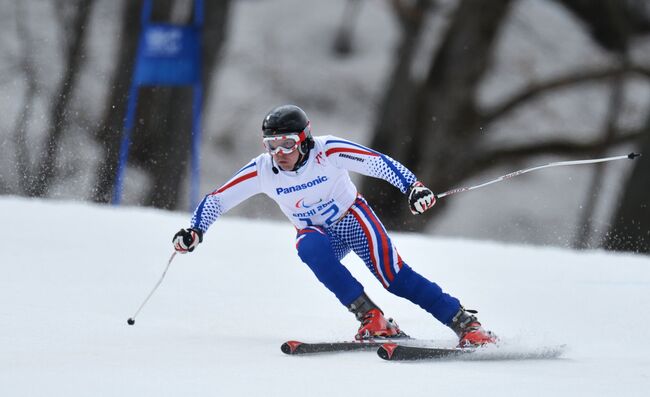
(332, 219)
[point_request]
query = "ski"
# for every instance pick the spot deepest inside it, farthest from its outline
(296, 347)
(396, 352)
(409, 352)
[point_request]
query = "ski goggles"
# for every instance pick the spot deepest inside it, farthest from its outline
(283, 143)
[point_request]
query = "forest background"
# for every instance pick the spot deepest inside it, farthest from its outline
(460, 91)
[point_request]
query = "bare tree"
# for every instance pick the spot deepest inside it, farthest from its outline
(393, 112)
(613, 24)
(438, 123)
(36, 181)
(392, 130)
(439, 113)
(75, 38)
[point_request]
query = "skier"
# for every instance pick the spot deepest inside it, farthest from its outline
(308, 178)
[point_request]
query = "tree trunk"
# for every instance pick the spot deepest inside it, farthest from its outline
(447, 110)
(393, 128)
(611, 127)
(630, 230)
(109, 132)
(23, 168)
(442, 113)
(609, 21)
(74, 60)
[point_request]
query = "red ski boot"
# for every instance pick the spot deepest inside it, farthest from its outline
(375, 325)
(469, 330)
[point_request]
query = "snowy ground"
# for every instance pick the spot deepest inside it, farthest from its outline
(73, 273)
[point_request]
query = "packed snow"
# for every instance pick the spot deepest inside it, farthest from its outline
(73, 273)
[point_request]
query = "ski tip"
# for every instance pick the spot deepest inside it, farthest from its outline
(290, 347)
(386, 350)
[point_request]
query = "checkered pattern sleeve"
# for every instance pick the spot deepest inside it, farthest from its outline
(244, 184)
(365, 161)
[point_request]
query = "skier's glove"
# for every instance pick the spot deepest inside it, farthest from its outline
(420, 198)
(187, 239)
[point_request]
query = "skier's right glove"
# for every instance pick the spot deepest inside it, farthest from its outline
(187, 239)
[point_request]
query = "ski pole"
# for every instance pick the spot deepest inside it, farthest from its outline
(630, 156)
(131, 320)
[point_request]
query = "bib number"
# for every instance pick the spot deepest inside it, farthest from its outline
(331, 212)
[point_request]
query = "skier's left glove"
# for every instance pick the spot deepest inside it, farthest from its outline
(187, 239)
(421, 198)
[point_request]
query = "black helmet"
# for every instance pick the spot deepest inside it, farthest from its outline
(288, 119)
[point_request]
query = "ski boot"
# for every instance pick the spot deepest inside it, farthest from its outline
(373, 322)
(469, 330)
(375, 325)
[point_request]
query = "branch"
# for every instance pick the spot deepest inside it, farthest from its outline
(535, 90)
(75, 45)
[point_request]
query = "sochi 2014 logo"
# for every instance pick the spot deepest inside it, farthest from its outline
(301, 203)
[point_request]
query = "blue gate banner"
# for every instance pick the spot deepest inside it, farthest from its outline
(168, 55)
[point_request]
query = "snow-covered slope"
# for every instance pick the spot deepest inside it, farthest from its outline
(71, 274)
